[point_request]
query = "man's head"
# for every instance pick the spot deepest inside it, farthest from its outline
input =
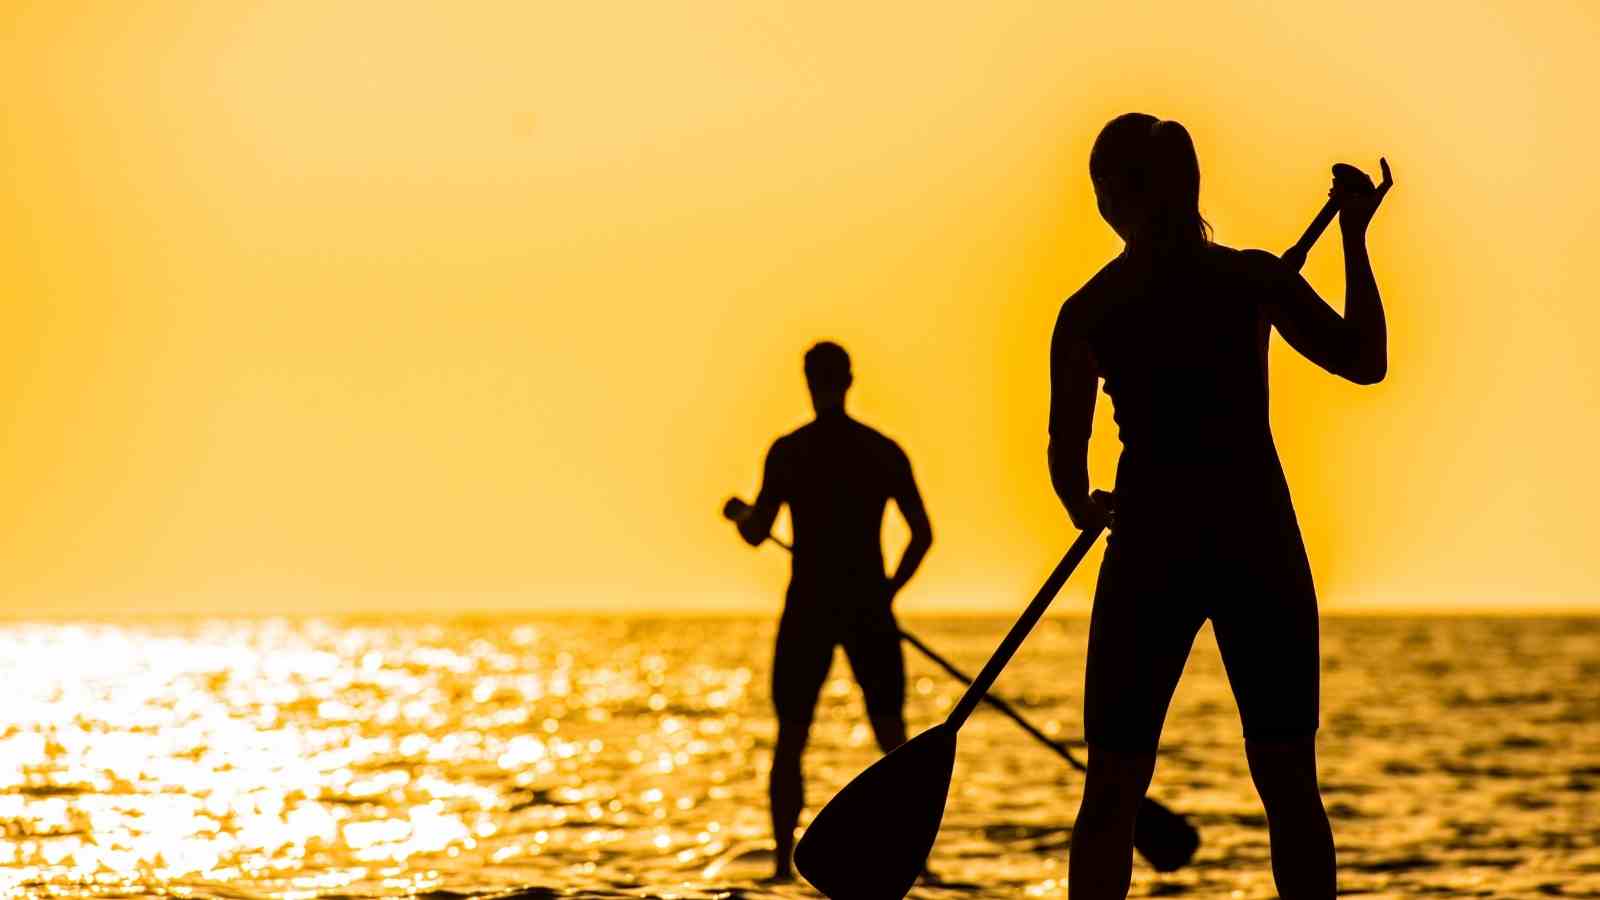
(828, 375)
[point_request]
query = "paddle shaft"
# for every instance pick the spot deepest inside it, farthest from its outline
(995, 702)
(1030, 616)
(1296, 256)
(1000, 705)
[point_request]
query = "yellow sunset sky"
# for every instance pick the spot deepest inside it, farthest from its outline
(417, 307)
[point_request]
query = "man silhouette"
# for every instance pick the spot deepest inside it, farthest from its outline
(837, 475)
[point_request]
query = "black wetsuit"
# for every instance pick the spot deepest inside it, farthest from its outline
(837, 475)
(1205, 528)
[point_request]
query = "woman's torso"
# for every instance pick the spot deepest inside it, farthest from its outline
(1182, 347)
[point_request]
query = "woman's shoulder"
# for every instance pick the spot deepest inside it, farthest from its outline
(1249, 272)
(1087, 304)
(1247, 261)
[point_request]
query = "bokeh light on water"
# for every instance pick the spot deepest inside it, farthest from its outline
(318, 758)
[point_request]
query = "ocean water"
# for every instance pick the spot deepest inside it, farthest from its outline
(323, 758)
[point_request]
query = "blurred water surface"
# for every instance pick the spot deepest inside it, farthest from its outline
(321, 758)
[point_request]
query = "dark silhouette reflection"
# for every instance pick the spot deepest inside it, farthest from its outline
(1203, 528)
(837, 476)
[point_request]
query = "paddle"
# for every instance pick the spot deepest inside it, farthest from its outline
(1296, 256)
(1165, 838)
(872, 839)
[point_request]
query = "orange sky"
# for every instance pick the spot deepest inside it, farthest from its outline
(367, 306)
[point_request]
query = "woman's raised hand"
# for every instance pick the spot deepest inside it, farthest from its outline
(1356, 195)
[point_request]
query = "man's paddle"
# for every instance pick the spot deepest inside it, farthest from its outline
(1163, 837)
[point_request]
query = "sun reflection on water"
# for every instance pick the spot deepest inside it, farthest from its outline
(309, 757)
(305, 758)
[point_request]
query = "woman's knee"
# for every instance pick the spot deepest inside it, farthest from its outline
(1284, 772)
(1116, 780)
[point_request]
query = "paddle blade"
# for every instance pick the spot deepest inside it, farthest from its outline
(872, 840)
(1165, 839)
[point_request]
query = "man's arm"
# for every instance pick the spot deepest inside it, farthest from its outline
(757, 522)
(909, 500)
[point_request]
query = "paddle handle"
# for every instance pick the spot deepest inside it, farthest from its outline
(735, 510)
(1019, 632)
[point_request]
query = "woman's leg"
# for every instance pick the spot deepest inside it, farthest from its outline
(1139, 638)
(1268, 634)
(1100, 862)
(1285, 773)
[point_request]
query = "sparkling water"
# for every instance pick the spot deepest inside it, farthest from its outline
(587, 757)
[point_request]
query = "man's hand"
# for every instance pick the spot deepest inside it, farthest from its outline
(752, 525)
(736, 510)
(1097, 510)
(1357, 197)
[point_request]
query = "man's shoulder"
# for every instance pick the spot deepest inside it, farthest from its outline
(789, 441)
(808, 434)
(879, 443)
(856, 432)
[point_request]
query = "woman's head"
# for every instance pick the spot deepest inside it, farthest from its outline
(1147, 182)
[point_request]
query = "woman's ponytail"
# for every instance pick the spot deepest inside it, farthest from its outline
(1151, 165)
(1174, 170)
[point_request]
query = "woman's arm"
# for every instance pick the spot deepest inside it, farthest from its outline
(1363, 311)
(1074, 381)
(1355, 346)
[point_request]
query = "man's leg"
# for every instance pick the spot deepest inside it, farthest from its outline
(879, 664)
(786, 791)
(890, 730)
(800, 663)
(1100, 861)
(1285, 773)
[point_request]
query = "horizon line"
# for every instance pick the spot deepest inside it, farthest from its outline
(421, 616)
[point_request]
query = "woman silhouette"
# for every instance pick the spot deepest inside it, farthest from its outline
(1203, 527)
